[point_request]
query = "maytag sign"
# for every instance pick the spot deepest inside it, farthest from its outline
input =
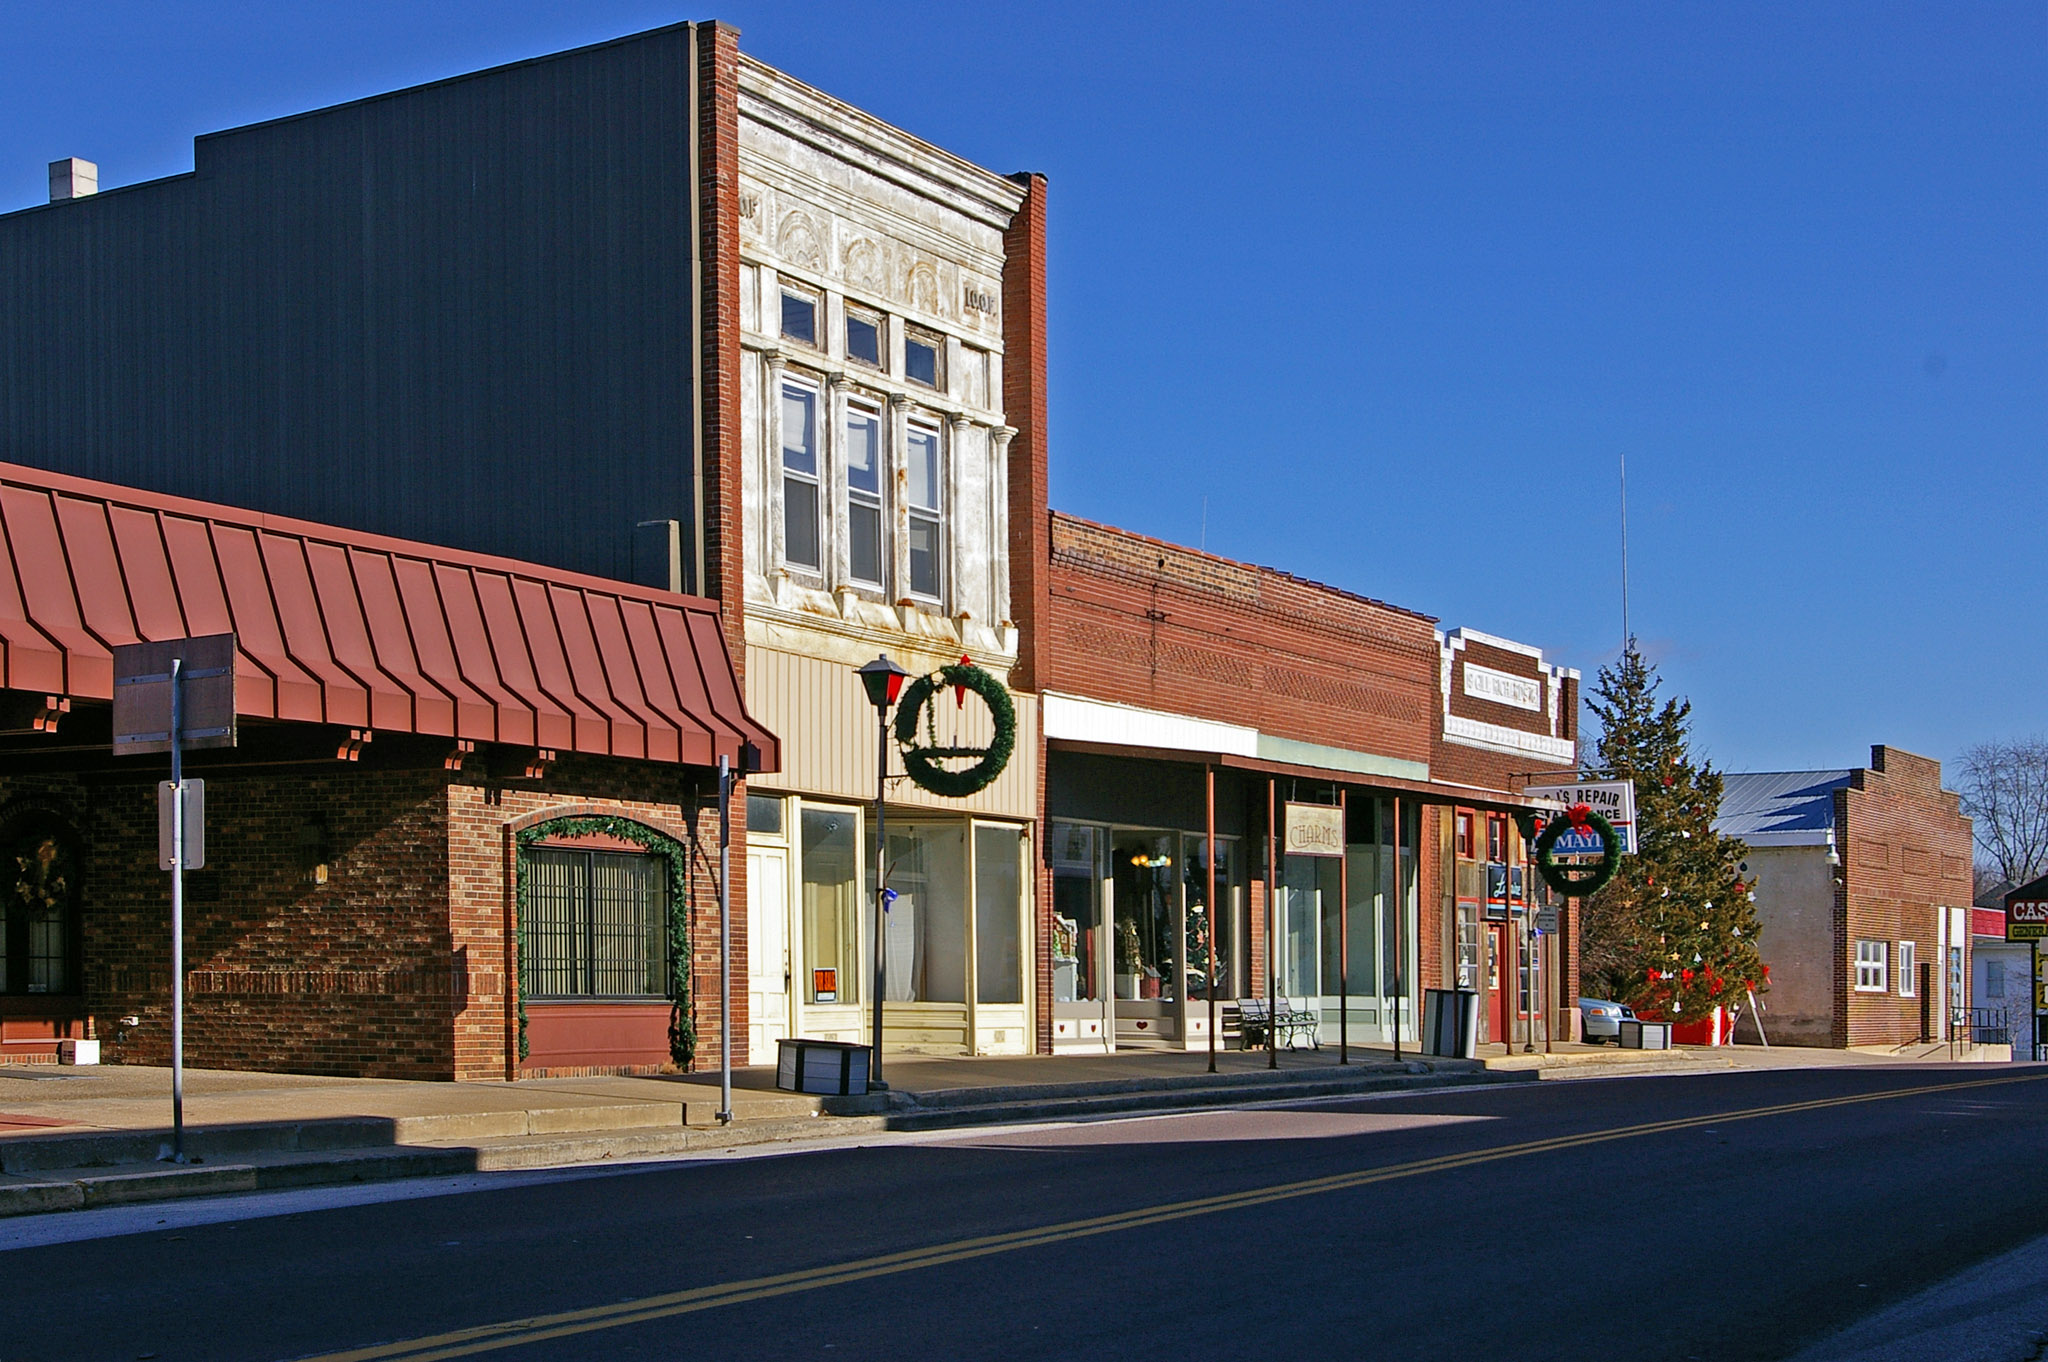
(1613, 800)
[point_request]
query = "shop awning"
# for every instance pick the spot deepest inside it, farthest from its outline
(338, 627)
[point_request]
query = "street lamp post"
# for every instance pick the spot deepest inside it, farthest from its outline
(883, 680)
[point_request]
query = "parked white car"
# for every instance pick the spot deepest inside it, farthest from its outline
(1601, 1020)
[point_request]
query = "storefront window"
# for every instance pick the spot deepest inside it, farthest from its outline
(1194, 856)
(1367, 895)
(1468, 945)
(998, 914)
(38, 918)
(832, 901)
(1147, 933)
(925, 929)
(596, 925)
(1076, 913)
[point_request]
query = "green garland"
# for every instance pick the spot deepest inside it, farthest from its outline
(922, 763)
(1578, 881)
(682, 1028)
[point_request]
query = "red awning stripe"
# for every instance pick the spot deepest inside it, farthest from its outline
(360, 631)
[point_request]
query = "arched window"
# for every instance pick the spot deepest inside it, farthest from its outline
(39, 934)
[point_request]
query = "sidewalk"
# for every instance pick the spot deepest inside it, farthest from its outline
(74, 1138)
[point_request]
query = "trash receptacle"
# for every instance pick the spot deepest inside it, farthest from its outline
(1450, 1023)
(832, 1067)
(1645, 1035)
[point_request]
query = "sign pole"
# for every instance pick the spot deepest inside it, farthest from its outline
(177, 912)
(1215, 915)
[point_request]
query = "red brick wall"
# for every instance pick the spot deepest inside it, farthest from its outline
(1024, 407)
(718, 164)
(1906, 853)
(1143, 622)
(396, 967)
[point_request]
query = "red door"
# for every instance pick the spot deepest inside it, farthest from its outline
(1498, 970)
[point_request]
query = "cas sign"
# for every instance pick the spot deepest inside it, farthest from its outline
(1613, 800)
(2026, 919)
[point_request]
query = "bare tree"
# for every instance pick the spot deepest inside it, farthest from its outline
(2004, 785)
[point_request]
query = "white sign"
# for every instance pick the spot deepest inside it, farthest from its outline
(195, 824)
(1613, 800)
(1503, 688)
(1314, 830)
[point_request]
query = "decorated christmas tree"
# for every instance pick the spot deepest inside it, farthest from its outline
(1674, 933)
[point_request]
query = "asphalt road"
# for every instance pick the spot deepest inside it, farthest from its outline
(1720, 1216)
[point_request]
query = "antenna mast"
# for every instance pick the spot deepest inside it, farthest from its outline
(1626, 636)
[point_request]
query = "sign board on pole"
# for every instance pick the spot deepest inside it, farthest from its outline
(195, 824)
(1613, 800)
(1314, 830)
(1546, 919)
(142, 694)
(2026, 912)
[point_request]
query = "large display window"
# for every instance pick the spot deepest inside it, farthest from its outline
(832, 898)
(998, 913)
(925, 927)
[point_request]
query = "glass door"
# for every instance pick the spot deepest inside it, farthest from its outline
(1081, 946)
(1147, 935)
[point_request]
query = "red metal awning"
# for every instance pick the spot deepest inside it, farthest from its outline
(339, 627)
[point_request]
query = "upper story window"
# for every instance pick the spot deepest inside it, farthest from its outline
(1465, 845)
(863, 495)
(799, 316)
(864, 337)
(927, 511)
(1496, 838)
(800, 499)
(923, 359)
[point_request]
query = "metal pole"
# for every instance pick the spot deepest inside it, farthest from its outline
(177, 912)
(1549, 1015)
(1272, 923)
(1215, 915)
(1343, 933)
(724, 940)
(881, 880)
(1400, 911)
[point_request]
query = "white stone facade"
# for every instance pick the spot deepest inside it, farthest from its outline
(866, 221)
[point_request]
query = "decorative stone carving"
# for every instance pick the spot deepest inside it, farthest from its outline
(797, 241)
(921, 288)
(864, 267)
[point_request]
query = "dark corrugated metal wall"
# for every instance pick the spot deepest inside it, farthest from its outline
(460, 314)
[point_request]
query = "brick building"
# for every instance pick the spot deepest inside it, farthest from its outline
(698, 328)
(1863, 894)
(462, 822)
(1193, 702)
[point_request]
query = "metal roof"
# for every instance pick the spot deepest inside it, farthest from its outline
(339, 627)
(1779, 808)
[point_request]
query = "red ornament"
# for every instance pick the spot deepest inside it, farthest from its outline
(1767, 971)
(960, 692)
(1685, 976)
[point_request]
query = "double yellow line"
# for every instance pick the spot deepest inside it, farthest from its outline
(540, 1328)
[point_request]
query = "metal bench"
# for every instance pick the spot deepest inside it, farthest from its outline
(1290, 1020)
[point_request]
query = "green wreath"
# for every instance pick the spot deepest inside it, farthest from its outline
(682, 1027)
(922, 763)
(1578, 881)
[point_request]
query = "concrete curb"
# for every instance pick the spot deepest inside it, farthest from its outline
(311, 1153)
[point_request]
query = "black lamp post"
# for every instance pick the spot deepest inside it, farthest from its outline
(883, 680)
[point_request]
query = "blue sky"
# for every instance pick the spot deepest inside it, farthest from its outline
(1393, 286)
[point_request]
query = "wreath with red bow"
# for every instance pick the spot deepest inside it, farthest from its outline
(921, 761)
(1578, 881)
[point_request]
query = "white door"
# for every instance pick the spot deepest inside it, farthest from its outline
(768, 963)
